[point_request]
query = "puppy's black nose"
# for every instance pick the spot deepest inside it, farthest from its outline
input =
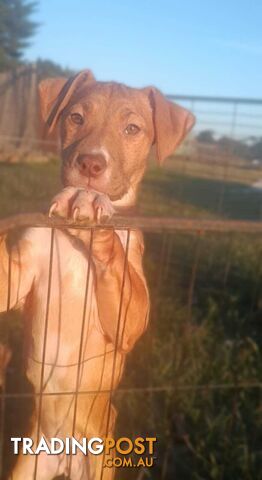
(91, 165)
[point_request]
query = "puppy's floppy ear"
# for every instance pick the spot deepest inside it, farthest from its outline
(171, 123)
(55, 93)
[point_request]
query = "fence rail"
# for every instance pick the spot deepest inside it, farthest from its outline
(151, 389)
(147, 224)
(210, 99)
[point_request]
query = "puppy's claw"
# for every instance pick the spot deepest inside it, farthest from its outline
(52, 209)
(75, 214)
(98, 214)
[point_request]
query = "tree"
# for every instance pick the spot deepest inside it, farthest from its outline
(206, 136)
(48, 68)
(16, 28)
(256, 150)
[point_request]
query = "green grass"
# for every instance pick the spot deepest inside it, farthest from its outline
(232, 170)
(164, 192)
(215, 340)
(27, 187)
(167, 192)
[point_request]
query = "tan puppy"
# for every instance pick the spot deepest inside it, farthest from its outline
(107, 130)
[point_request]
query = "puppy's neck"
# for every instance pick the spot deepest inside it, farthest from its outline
(129, 211)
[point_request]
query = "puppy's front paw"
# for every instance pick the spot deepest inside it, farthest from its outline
(103, 208)
(81, 204)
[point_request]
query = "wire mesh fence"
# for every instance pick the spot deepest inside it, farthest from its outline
(226, 147)
(199, 273)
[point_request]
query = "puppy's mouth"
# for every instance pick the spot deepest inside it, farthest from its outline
(114, 192)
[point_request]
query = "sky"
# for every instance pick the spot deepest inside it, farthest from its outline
(195, 47)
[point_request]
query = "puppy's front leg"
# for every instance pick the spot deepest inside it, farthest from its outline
(119, 274)
(120, 287)
(17, 270)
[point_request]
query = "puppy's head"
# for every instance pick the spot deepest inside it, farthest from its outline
(107, 130)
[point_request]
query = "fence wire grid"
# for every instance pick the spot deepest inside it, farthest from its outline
(167, 230)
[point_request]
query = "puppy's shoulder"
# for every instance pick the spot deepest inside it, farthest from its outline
(37, 242)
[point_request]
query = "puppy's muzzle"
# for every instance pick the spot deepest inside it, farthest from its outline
(91, 165)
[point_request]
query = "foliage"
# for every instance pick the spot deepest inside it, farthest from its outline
(48, 68)
(206, 136)
(250, 151)
(16, 28)
(207, 425)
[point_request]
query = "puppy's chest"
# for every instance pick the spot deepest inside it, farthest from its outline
(64, 283)
(123, 237)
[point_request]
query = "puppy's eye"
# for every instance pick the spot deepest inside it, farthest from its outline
(77, 118)
(132, 129)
